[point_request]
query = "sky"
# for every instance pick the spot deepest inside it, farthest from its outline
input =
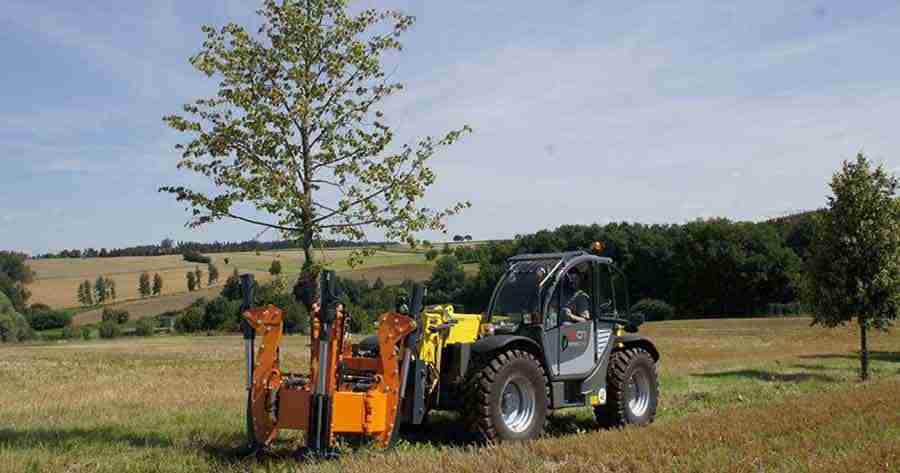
(583, 111)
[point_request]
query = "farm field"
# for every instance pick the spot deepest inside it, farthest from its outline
(56, 282)
(737, 395)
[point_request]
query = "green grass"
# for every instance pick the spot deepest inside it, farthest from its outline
(735, 394)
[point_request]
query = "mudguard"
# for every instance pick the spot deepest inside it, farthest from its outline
(496, 342)
(635, 340)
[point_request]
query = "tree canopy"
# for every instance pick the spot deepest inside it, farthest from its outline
(853, 269)
(297, 130)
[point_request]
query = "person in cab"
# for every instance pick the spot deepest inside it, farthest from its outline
(578, 302)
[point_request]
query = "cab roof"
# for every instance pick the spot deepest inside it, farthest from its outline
(564, 256)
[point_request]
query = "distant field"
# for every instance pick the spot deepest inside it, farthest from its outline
(743, 395)
(57, 280)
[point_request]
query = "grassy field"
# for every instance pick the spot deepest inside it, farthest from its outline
(737, 395)
(57, 280)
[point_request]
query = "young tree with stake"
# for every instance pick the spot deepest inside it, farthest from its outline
(101, 289)
(144, 284)
(853, 268)
(297, 129)
(191, 281)
(157, 284)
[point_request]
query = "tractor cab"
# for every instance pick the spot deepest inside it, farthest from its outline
(573, 306)
(554, 289)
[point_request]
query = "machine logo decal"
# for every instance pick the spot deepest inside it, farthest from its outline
(574, 338)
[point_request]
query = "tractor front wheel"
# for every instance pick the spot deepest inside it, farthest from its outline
(506, 398)
(632, 386)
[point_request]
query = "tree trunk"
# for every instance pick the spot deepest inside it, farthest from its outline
(309, 259)
(863, 351)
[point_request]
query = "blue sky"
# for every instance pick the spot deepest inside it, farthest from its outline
(583, 111)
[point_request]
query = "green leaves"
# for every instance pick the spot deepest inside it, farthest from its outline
(296, 130)
(854, 265)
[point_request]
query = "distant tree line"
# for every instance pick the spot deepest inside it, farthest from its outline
(704, 268)
(169, 247)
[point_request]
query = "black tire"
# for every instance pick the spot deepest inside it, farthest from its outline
(521, 377)
(632, 388)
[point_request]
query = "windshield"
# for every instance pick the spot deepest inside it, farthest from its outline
(519, 292)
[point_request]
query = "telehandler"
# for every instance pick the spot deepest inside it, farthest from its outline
(553, 337)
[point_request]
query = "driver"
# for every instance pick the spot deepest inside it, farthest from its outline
(578, 303)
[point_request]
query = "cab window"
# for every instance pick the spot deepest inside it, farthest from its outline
(572, 300)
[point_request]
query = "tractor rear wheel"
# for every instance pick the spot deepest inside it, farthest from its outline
(506, 397)
(632, 386)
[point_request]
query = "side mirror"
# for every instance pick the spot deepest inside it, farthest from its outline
(606, 306)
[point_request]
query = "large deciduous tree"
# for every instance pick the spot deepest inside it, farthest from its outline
(297, 129)
(853, 267)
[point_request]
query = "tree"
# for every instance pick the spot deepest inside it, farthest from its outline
(144, 284)
(198, 277)
(723, 267)
(88, 293)
(232, 288)
(157, 284)
(143, 327)
(468, 237)
(213, 274)
(118, 316)
(458, 238)
(82, 294)
(298, 132)
(431, 254)
(110, 330)
(112, 288)
(378, 284)
(166, 245)
(191, 281)
(275, 268)
(13, 325)
(853, 268)
(47, 319)
(14, 275)
(101, 290)
(447, 281)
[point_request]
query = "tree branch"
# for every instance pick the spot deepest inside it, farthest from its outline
(258, 222)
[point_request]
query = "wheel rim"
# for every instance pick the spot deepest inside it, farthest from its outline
(517, 404)
(639, 393)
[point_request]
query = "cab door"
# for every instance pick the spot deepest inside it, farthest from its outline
(575, 339)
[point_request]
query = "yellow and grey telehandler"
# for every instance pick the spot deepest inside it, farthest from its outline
(554, 336)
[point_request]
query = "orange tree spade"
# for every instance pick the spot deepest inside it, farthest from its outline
(853, 268)
(297, 130)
